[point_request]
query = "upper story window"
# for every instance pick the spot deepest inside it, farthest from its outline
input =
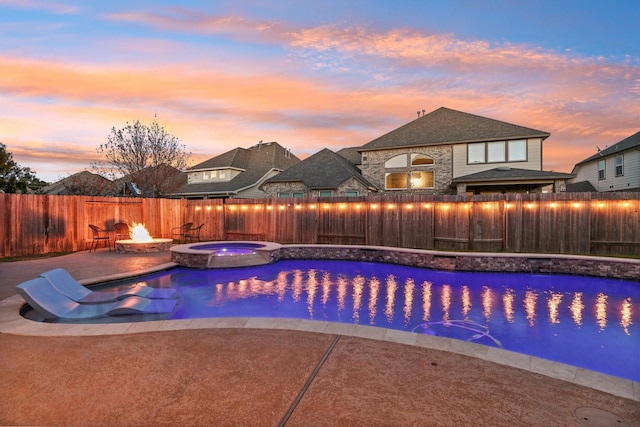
(352, 193)
(395, 181)
(421, 179)
(619, 164)
(601, 169)
(413, 174)
(420, 160)
(497, 152)
(517, 150)
(399, 161)
(283, 195)
(297, 195)
(325, 193)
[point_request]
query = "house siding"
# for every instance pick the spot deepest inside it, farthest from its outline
(630, 181)
(374, 167)
(461, 168)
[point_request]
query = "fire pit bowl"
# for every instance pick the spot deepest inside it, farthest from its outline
(132, 246)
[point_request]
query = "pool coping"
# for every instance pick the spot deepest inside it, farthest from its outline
(11, 322)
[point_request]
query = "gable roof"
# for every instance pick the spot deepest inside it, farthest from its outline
(511, 174)
(84, 181)
(323, 170)
(446, 126)
(628, 143)
(254, 163)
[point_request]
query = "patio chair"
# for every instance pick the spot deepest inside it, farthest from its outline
(121, 232)
(99, 235)
(71, 288)
(193, 233)
(53, 305)
(177, 233)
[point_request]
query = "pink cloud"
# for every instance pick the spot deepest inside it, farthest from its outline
(53, 7)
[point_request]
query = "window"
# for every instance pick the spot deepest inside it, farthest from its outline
(475, 153)
(420, 160)
(601, 169)
(325, 193)
(283, 195)
(619, 164)
(497, 152)
(517, 150)
(396, 162)
(352, 193)
(396, 180)
(297, 195)
(421, 179)
(205, 176)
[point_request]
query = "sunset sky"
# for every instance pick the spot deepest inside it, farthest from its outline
(225, 74)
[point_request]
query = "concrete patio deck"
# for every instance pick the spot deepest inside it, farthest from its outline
(267, 372)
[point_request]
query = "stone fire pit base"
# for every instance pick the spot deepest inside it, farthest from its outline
(130, 246)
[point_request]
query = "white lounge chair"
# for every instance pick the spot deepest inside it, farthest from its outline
(46, 300)
(67, 285)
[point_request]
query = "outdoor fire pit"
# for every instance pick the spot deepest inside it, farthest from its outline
(142, 242)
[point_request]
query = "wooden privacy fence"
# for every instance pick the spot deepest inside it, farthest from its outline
(569, 223)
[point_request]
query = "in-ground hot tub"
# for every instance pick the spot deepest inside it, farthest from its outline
(225, 254)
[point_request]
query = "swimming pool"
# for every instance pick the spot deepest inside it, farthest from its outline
(589, 322)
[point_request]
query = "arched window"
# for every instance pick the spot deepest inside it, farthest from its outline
(399, 161)
(413, 174)
(421, 160)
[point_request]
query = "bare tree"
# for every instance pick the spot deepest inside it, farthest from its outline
(148, 156)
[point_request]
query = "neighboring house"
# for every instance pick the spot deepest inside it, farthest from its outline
(151, 182)
(238, 173)
(616, 168)
(448, 151)
(81, 183)
(324, 174)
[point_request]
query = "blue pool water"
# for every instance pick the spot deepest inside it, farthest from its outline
(587, 322)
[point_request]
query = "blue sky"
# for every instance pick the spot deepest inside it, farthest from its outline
(333, 74)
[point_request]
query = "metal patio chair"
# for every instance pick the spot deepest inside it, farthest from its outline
(177, 233)
(193, 233)
(99, 235)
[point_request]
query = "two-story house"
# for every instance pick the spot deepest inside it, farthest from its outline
(616, 168)
(238, 173)
(448, 151)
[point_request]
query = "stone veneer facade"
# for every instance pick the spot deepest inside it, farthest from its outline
(373, 169)
(273, 189)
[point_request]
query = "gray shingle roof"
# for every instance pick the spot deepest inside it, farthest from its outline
(510, 174)
(323, 170)
(352, 154)
(581, 187)
(446, 126)
(628, 143)
(255, 163)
